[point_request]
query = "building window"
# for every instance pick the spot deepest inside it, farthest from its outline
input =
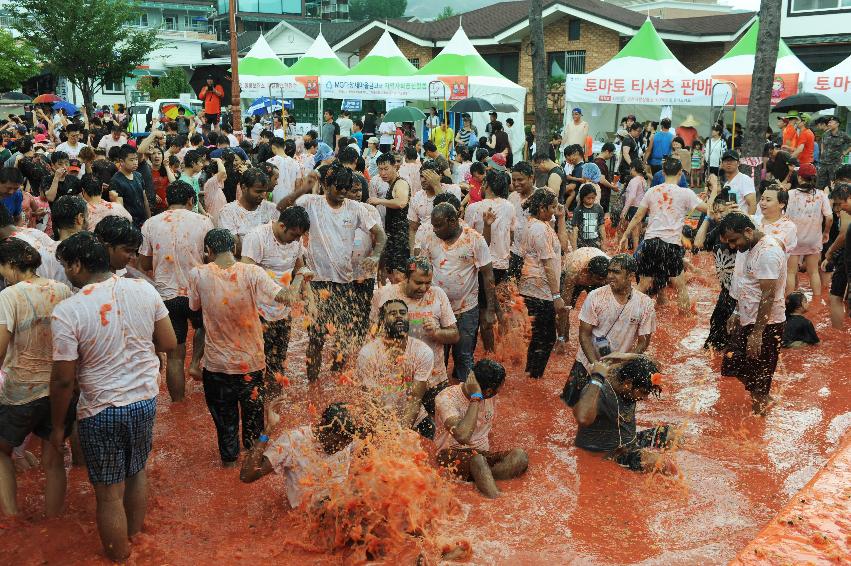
(799, 6)
(415, 62)
(170, 22)
(561, 63)
(573, 30)
(507, 64)
(142, 21)
(113, 88)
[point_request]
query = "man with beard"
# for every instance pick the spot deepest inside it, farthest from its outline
(396, 367)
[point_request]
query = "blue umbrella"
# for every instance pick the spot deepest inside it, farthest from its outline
(69, 108)
(266, 105)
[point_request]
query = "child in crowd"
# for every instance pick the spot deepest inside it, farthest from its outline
(635, 190)
(697, 163)
(588, 219)
(799, 331)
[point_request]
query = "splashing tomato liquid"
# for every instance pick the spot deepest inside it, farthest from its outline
(736, 472)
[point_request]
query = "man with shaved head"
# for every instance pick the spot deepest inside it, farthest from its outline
(459, 254)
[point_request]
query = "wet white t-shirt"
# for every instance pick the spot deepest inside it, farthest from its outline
(332, 234)
(667, 206)
(620, 324)
(421, 205)
(521, 217)
(808, 209)
(766, 260)
(263, 248)
(456, 266)
(240, 221)
(363, 246)
(175, 242)
(501, 229)
(540, 243)
(108, 329)
(391, 376)
(289, 171)
(451, 402)
(308, 470)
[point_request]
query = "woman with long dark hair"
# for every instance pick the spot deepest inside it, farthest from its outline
(162, 176)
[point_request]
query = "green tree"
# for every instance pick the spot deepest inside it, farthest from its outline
(18, 61)
(375, 9)
(447, 13)
(86, 41)
(171, 85)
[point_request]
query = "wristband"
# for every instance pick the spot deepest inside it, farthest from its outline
(596, 382)
(263, 438)
(476, 397)
(556, 296)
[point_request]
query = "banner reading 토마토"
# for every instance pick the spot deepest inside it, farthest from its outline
(638, 90)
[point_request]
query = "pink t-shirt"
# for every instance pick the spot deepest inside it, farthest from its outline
(263, 248)
(331, 239)
(667, 206)
(363, 246)
(635, 190)
(620, 324)
(308, 470)
(521, 217)
(240, 221)
(175, 242)
(214, 196)
(451, 402)
(100, 210)
(501, 229)
(229, 299)
(540, 243)
(108, 329)
(421, 205)
(390, 375)
(456, 266)
(411, 173)
(766, 260)
(784, 230)
(434, 305)
(808, 209)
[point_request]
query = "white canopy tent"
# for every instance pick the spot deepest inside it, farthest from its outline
(834, 83)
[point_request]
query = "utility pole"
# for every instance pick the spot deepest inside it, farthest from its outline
(236, 111)
(539, 74)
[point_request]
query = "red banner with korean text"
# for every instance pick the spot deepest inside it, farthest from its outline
(784, 85)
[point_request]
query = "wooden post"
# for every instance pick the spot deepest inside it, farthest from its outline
(236, 109)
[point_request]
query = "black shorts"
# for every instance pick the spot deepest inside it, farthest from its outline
(515, 266)
(660, 259)
(839, 279)
(631, 212)
(499, 276)
(213, 119)
(181, 315)
(755, 373)
(17, 421)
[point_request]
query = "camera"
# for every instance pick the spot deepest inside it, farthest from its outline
(601, 343)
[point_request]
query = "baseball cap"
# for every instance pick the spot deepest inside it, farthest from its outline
(791, 114)
(807, 170)
(39, 138)
(577, 110)
(74, 166)
(805, 117)
(372, 139)
(731, 154)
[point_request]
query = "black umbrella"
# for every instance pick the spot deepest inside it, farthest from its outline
(220, 73)
(472, 104)
(505, 108)
(807, 102)
(18, 96)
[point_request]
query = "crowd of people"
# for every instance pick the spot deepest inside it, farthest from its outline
(395, 257)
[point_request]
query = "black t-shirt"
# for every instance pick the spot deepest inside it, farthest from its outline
(562, 187)
(133, 193)
(604, 168)
(799, 329)
(33, 171)
(70, 185)
(779, 167)
(725, 258)
(632, 146)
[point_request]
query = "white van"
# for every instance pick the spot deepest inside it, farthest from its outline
(142, 113)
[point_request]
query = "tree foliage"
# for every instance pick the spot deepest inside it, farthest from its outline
(171, 85)
(377, 9)
(447, 13)
(18, 61)
(86, 41)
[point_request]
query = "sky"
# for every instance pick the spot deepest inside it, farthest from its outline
(430, 8)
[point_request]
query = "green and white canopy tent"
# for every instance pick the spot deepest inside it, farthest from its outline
(261, 73)
(318, 60)
(383, 74)
(459, 60)
(738, 63)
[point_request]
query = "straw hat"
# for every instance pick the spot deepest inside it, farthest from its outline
(690, 122)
